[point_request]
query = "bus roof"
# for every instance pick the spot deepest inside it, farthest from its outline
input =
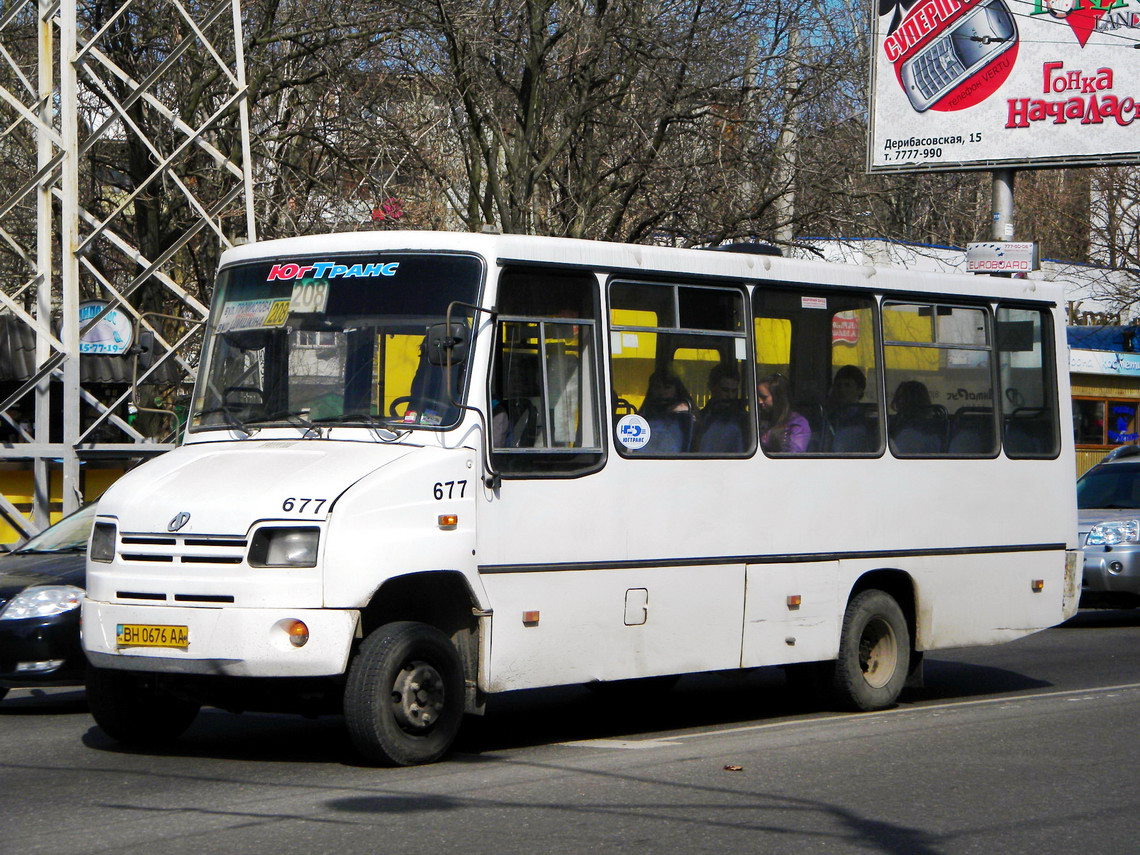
(648, 260)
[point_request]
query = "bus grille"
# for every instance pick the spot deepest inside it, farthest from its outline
(174, 549)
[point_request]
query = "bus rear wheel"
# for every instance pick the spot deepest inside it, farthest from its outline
(874, 653)
(132, 710)
(403, 702)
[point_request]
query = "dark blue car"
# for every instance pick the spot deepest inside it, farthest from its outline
(41, 588)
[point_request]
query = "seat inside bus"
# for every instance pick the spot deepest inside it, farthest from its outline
(924, 431)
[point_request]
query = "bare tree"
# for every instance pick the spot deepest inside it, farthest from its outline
(629, 121)
(681, 121)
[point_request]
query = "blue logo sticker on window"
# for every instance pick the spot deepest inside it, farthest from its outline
(633, 432)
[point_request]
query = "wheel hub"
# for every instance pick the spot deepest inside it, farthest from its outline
(417, 696)
(878, 653)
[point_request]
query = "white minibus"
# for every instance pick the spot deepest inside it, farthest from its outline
(423, 468)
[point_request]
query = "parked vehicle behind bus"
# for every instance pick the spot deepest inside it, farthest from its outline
(423, 468)
(41, 589)
(1108, 502)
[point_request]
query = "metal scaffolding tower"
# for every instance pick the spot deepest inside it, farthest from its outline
(126, 130)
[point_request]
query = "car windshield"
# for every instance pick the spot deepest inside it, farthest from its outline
(1113, 485)
(68, 535)
(345, 340)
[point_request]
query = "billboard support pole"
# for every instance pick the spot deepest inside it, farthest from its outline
(1003, 204)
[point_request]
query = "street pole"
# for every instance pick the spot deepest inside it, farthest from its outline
(1003, 204)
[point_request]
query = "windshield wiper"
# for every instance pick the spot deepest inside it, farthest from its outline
(231, 418)
(299, 418)
(370, 420)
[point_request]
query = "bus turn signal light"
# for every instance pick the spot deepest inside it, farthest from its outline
(1038, 586)
(448, 521)
(530, 618)
(298, 634)
(794, 601)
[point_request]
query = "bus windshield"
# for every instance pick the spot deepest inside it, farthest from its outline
(338, 340)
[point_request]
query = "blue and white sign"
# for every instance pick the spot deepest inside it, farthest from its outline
(111, 336)
(1104, 362)
(633, 432)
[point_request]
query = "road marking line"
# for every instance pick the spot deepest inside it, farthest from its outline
(672, 741)
(622, 743)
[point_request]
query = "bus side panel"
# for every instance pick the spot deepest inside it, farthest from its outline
(966, 600)
(612, 624)
(791, 613)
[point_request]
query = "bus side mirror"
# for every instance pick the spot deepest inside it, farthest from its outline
(444, 344)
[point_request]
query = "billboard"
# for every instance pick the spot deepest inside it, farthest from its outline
(975, 84)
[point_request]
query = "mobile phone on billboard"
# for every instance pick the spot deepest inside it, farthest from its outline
(966, 47)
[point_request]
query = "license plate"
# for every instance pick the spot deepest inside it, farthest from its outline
(151, 635)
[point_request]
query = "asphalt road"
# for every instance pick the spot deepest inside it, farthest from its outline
(1028, 747)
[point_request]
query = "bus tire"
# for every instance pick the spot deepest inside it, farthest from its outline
(403, 702)
(132, 711)
(874, 653)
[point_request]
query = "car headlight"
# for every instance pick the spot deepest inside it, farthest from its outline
(42, 601)
(1112, 533)
(284, 547)
(102, 547)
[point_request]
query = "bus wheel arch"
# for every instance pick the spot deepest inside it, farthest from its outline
(900, 586)
(876, 644)
(440, 599)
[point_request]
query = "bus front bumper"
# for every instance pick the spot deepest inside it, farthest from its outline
(233, 642)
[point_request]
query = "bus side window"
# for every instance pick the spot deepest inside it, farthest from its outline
(545, 411)
(939, 372)
(679, 369)
(1025, 359)
(818, 348)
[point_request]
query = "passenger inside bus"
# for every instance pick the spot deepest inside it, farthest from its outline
(847, 388)
(724, 424)
(850, 422)
(668, 408)
(918, 426)
(782, 429)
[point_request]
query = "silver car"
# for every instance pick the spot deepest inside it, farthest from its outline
(1108, 499)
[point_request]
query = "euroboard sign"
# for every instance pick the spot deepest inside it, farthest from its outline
(972, 84)
(1001, 257)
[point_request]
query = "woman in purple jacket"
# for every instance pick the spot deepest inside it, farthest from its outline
(782, 429)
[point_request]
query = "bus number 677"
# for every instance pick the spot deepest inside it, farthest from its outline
(447, 490)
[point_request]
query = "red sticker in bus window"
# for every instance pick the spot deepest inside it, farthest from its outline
(845, 328)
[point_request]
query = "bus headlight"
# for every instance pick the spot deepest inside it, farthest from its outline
(102, 543)
(1112, 533)
(284, 547)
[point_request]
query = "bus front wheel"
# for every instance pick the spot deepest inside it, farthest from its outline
(133, 711)
(874, 653)
(403, 702)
